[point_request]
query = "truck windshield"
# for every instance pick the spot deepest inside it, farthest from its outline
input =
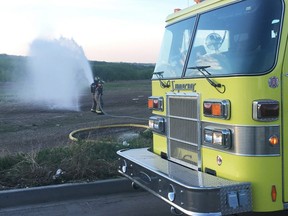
(238, 39)
(174, 48)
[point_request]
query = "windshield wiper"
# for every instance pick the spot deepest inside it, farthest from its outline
(159, 75)
(203, 71)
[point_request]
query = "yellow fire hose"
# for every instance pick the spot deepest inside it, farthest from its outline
(71, 135)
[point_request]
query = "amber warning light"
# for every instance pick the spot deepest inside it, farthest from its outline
(274, 140)
(217, 108)
(273, 193)
(155, 103)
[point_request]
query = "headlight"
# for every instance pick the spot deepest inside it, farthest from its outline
(219, 137)
(157, 124)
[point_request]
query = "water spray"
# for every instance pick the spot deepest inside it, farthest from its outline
(58, 74)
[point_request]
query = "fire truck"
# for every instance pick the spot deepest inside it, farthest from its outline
(219, 109)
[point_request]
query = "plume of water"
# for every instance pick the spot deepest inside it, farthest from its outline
(58, 73)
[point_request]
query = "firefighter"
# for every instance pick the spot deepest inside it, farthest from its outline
(99, 99)
(93, 88)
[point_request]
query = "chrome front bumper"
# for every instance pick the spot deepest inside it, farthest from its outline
(192, 192)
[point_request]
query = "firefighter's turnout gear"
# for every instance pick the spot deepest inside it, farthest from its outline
(97, 92)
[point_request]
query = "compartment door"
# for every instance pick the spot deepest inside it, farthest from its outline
(285, 123)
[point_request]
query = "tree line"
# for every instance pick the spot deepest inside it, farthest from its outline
(14, 68)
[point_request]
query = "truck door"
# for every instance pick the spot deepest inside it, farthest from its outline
(285, 123)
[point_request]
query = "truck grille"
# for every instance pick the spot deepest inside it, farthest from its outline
(183, 129)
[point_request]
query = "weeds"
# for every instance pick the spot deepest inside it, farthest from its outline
(78, 162)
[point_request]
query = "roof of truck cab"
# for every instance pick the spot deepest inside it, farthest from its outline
(197, 8)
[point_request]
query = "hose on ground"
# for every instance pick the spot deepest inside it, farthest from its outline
(73, 138)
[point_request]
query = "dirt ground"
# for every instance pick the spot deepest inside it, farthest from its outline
(27, 128)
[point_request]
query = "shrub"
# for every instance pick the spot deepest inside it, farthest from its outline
(77, 162)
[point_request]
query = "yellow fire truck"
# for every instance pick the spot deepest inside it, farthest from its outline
(220, 111)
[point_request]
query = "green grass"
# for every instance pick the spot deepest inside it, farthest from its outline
(79, 162)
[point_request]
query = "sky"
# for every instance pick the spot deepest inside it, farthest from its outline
(107, 30)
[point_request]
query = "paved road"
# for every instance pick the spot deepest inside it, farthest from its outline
(121, 204)
(100, 198)
(126, 204)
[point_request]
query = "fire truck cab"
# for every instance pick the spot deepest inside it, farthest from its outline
(219, 111)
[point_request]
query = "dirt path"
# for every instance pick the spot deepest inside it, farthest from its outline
(25, 127)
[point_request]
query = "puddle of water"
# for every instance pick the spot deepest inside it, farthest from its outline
(127, 136)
